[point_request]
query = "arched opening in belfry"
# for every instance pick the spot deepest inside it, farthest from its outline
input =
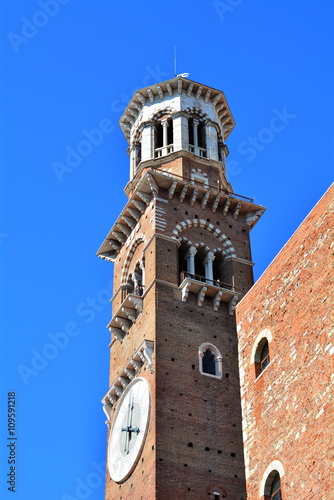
(158, 136)
(138, 155)
(129, 284)
(163, 137)
(197, 136)
(190, 131)
(201, 136)
(199, 261)
(183, 264)
(138, 279)
(218, 267)
(170, 133)
(221, 151)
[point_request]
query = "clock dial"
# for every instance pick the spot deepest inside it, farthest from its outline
(129, 429)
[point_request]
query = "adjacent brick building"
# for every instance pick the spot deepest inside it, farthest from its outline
(286, 352)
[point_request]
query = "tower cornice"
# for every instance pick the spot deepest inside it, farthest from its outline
(147, 189)
(163, 91)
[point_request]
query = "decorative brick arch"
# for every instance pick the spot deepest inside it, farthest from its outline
(136, 132)
(196, 111)
(165, 111)
(140, 238)
(227, 247)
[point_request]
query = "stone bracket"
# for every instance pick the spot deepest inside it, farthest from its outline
(218, 293)
(183, 192)
(226, 206)
(236, 210)
(215, 203)
(171, 190)
(185, 291)
(232, 305)
(125, 316)
(201, 296)
(204, 200)
(193, 197)
(216, 300)
(253, 217)
(143, 356)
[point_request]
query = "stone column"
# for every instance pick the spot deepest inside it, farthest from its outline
(180, 133)
(211, 141)
(195, 135)
(142, 267)
(132, 152)
(190, 258)
(208, 266)
(147, 142)
(164, 124)
(137, 155)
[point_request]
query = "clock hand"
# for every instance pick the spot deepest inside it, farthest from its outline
(130, 423)
(134, 429)
(129, 429)
(126, 429)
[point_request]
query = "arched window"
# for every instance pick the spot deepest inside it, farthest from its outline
(197, 136)
(202, 137)
(264, 360)
(272, 487)
(275, 493)
(163, 137)
(262, 357)
(217, 494)
(210, 360)
(158, 136)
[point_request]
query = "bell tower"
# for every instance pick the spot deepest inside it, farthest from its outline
(182, 261)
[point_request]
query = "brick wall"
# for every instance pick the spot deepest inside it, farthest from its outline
(288, 409)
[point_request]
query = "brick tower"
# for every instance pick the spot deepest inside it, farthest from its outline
(182, 262)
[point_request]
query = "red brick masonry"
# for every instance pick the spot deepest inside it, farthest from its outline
(288, 409)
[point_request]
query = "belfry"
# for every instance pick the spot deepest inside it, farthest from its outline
(182, 261)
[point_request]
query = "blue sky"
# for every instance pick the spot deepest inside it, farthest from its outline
(67, 67)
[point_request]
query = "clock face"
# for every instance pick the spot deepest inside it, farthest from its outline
(129, 429)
